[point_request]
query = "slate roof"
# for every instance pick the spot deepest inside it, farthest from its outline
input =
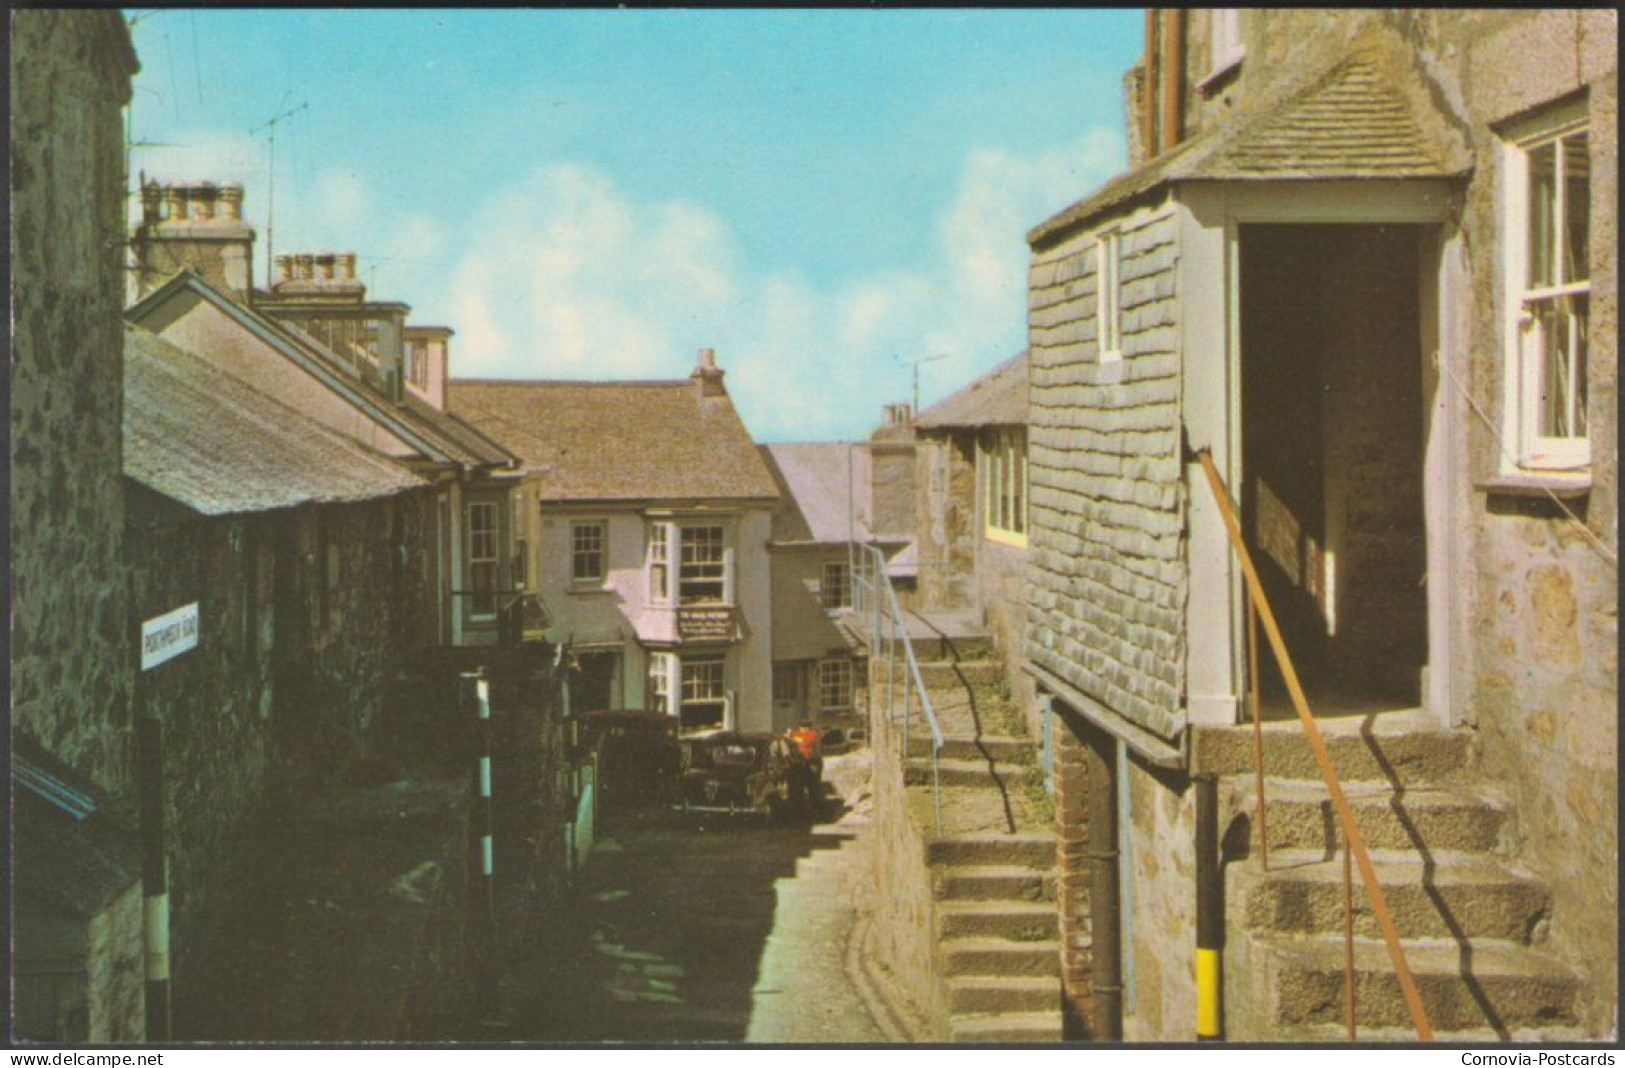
(998, 398)
(62, 861)
(1358, 120)
(815, 479)
(618, 441)
(440, 436)
(210, 441)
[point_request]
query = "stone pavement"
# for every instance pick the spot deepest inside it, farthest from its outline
(692, 928)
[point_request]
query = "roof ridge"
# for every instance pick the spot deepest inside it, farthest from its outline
(455, 381)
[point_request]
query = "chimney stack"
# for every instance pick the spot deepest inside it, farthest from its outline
(197, 225)
(708, 376)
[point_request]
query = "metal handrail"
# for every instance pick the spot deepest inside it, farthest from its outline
(1353, 840)
(868, 585)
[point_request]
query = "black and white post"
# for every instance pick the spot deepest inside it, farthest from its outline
(477, 688)
(154, 876)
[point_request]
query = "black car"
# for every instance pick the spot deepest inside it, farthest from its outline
(637, 753)
(733, 771)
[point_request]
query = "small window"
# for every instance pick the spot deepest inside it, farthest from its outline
(521, 545)
(836, 590)
(658, 696)
(1224, 40)
(1109, 296)
(835, 685)
(482, 560)
(704, 699)
(587, 552)
(1004, 486)
(702, 571)
(1548, 272)
(659, 555)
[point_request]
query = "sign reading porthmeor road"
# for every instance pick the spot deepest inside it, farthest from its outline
(165, 637)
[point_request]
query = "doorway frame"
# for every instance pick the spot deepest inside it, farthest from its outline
(1209, 218)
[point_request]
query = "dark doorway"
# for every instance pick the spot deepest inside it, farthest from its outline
(1332, 448)
(592, 688)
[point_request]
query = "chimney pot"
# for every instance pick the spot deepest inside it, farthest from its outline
(324, 261)
(203, 195)
(174, 203)
(231, 201)
(708, 359)
(346, 265)
(284, 268)
(306, 264)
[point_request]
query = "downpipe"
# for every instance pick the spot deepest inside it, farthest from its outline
(1105, 955)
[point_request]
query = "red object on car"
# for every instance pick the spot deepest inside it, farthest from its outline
(809, 741)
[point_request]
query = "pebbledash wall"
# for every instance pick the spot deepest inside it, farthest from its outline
(70, 651)
(1533, 616)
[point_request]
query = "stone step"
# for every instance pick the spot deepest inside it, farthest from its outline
(1005, 748)
(1391, 750)
(1327, 1034)
(959, 675)
(1035, 1027)
(1000, 956)
(1036, 851)
(1300, 816)
(996, 882)
(1463, 989)
(963, 647)
(1020, 920)
(1303, 894)
(1003, 994)
(919, 772)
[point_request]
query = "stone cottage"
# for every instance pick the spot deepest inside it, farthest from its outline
(356, 388)
(1365, 261)
(643, 521)
(971, 502)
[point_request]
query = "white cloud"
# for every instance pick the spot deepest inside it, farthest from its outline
(565, 275)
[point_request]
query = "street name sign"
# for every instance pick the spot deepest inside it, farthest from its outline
(165, 637)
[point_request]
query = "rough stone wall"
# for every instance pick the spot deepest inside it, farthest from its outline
(904, 924)
(947, 519)
(70, 648)
(891, 487)
(1107, 568)
(245, 713)
(1159, 939)
(1541, 604)
(116, 980)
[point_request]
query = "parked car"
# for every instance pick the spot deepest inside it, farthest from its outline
(734, 771)
(637, 753)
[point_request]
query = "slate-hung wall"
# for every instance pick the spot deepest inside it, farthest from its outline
(1107, 568)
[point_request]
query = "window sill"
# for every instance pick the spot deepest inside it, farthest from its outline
(1538, 484)
(1221, 73)
(587, 589)
(1005, 537)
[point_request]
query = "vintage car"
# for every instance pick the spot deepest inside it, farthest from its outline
(637, 753)
(734, 771)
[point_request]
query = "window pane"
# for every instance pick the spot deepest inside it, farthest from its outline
(1558, 339)
(1577, 208)
(1542, 212)
(587, 552)
(700, 571)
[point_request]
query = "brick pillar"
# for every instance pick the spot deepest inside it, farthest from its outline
(1072, 877)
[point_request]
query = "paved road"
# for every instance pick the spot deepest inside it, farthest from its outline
(708, 928)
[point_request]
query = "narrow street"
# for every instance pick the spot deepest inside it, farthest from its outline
(708, 928)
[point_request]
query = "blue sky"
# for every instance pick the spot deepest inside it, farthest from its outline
(819, 195)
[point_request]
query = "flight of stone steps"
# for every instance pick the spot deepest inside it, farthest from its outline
(993, 863)
(1472, 922)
